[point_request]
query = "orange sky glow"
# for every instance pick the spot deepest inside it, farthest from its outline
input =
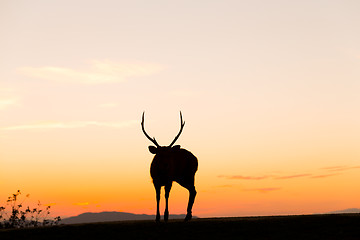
(269, 91)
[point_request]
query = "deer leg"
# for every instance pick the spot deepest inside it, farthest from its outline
(157, 189)
(167, 192)
(192, 194)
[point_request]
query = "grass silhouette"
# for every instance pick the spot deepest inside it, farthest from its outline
(15, 215)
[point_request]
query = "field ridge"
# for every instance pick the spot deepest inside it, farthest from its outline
(327, 226)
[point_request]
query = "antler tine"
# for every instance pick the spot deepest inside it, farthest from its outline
(143, 129)
(181, 128)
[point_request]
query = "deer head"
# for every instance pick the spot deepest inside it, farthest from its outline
(162, 149)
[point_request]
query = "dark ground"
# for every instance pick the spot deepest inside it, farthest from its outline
(324, 227)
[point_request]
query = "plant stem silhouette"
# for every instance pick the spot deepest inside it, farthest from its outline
(13, 214)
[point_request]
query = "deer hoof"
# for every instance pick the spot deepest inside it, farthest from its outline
(188, 217)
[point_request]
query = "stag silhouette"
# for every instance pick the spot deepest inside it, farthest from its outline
(172, 163)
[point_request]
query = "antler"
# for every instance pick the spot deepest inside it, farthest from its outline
(181, 128)
(143, 129)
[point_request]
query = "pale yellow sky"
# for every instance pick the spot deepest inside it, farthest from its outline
(268, 90)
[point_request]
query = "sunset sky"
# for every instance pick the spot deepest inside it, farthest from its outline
(269, 91)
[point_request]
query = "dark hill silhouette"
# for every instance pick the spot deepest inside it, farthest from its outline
(90, 217)
(309, 227)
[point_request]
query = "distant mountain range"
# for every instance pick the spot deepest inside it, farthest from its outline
(90, 217)
(349, 210)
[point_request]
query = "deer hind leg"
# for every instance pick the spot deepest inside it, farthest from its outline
(157, 189)
(188, 183)
(192, 194)
(167, 192)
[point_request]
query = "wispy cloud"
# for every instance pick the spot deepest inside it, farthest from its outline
(340, 168)
(294, 176)
(325, 175)
(99, 72)
(7, 102)
(76, 124)
(332, 167)
(240, 177)
(82, 204)
(263, 190)
(320, 173)
(224, 186)
(87, 204)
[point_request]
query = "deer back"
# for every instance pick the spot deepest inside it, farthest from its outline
(172, 164)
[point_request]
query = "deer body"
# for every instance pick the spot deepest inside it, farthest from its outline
(172, 163)
(179, 165)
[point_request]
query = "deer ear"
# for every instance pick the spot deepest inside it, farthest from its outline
(176, 147)
(153, 149)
